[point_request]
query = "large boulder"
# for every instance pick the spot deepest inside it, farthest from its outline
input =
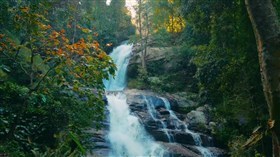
(183, 137)
(152, 54)
(101, 145)
(155, 101)
(129, 92)
(182, 101)
(159, 135)
(217, 152)
(163, 112)
(197, 118)
(135, 99)
(177, 150)
(160, 60)
(207, 141)
(140, 98)
(151, 124)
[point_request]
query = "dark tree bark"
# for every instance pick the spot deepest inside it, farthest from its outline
(266, 27)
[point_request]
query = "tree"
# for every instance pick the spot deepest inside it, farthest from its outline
(223, 46)
(267, 33)
(51, 78)
(167, 17)
(140, 31)
(144, 27)
(111, 23)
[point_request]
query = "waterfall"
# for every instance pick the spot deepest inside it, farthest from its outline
(198, 142)
(153, 113)
(120, 56)
(126, 135)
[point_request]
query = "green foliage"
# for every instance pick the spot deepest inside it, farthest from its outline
(219, 61)
(236, 147)
(140, 81)
(142, 74)
(111, 23)
(51, 77)
(173, 73)
(228, 71)
(136, 84)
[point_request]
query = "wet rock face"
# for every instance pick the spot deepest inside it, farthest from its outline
(139, 100)
(135, 100)
(178, 150)
(159, 135)
(181, 101)
(172, 135)
(183, 138)
(101, 146)
(196, 119)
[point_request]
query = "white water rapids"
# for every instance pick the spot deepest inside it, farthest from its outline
(198, 142)
(127, 135)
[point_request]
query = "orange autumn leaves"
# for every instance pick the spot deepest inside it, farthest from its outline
(60, 45)
(55, 56)
(82, 61)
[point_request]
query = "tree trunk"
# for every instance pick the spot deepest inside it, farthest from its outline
(143, 56)
(267, 33)
(146, 39)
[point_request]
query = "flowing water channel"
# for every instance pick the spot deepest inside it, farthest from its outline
(127, 135)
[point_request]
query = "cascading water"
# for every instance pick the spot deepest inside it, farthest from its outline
(126, 135)
(152, 111)
(120, 56)
(198, 142)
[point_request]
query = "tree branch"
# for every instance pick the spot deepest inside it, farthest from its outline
(21, 66)
(38, 84)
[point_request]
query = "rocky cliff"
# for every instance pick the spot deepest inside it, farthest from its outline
(172, 136)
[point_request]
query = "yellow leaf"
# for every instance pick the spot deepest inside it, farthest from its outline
(89, 58)
(85, 30)
(171, 1)
(55, 34)
(95, 44)
(175, 24)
